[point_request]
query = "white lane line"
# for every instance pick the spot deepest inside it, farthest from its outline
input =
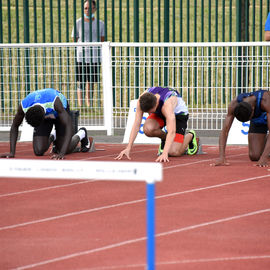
(127, 203)
(136, 240)
(186, 261)
(199, 161)
(213, 186)
(45, 188)
(69, 215)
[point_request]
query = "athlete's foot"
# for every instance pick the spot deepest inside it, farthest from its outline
(87, 144)
(161, 147)
(193, 145)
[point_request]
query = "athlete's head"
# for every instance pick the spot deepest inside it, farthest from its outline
(35, 115)
(147, 101)
(243, 111)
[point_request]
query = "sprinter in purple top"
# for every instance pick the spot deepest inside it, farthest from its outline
(253, 107)
(165, 108)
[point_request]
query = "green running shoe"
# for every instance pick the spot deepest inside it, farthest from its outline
(161, 147)
(193, 145)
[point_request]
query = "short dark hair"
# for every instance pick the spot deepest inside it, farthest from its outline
(147, 101)
(243, 111)
(35, 115)
(92, 1)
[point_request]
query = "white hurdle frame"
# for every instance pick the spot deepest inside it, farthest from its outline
(150, 172)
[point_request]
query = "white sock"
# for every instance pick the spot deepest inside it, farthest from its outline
(54, 134)
(81, 134)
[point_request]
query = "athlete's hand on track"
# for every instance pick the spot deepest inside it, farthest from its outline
(58, 156)
(220, 162)
(163, 158)
(262, 164)
(123, 153)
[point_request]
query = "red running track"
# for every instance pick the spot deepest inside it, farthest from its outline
(206, 217)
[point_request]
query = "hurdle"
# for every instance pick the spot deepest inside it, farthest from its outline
(149, 172)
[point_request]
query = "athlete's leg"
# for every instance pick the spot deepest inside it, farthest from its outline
(60, 137)
(81, 136)
(153, 127)
(256, 144)
(181, 140)
(178, 148)
(72, 144)
(41, 138)
(257, 136)
(87, 144)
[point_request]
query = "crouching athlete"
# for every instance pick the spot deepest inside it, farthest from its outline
(43, 109)
(165, 108)
(253, 107)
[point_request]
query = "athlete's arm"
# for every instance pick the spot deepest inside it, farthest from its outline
(66, 121)
(265, 106)
(14, 130)
(168, 112)
(224, 134)
(133, 134)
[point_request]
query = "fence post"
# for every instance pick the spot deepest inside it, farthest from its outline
(166, 38)
(26, 40)
(136, 39)
(107, 87)
(1, 60)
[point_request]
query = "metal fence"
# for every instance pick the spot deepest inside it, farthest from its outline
(208, 76)
(40, 21)
(28, 67)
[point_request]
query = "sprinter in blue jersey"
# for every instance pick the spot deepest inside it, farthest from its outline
(43, 109)
(254, 106)
(165, 107)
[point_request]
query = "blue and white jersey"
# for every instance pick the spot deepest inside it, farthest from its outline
(46, 98)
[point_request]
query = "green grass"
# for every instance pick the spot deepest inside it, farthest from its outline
(181, 30)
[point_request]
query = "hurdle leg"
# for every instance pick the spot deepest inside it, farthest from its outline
(150, 226)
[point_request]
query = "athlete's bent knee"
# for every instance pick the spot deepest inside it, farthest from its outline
(147, 131)
(38, 153)
(254, 157)
(176, 152)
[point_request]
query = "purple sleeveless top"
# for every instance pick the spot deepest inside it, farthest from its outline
(164, 94)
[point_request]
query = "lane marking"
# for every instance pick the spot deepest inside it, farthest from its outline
(185, 261)
(93, 180)
(45, 188)
(199, 161)
(136, 240)
(128, 203)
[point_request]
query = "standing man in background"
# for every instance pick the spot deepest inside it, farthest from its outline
(89, 65)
